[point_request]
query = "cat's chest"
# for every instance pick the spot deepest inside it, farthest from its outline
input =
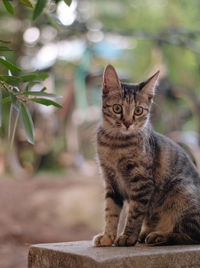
(123, 160)
(122, 165)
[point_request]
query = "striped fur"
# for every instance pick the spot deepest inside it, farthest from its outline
(149, 171)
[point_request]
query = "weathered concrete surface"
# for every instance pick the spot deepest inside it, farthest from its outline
(83, 254)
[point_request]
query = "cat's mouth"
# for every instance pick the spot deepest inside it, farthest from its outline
(126, 130)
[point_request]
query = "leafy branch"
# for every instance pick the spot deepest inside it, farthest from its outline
(16, 90)
(38, 7)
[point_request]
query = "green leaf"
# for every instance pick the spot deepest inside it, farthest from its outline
(46, 102)
(27, 122)
(40, 5)
(12, 80)
(14, 130)
(26, 3)
(6, 99)
(14, 101)
(8, 6)
(14, 106)
(3, 48)
(0, 108)
(36, 76)
(43, 89)
(5, 42)
(40, 93)
(52, 21)
(68, 2)
(10, 120)
(30, 85)
(10, 66)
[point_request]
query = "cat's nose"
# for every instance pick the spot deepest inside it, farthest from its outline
(127, 124)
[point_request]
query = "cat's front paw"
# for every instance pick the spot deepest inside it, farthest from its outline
(103, 240)
(156, 238)
(142, 237)
(125, 240)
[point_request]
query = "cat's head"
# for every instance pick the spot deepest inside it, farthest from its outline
(126, 107)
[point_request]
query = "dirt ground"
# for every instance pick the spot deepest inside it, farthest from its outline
(47, 209)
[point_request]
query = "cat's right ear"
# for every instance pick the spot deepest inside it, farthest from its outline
(110, 79)
(148, 87)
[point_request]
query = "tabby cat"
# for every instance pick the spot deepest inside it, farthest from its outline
(148, 170)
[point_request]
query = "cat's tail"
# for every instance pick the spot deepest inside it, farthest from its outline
(180, 238)
(176, 239)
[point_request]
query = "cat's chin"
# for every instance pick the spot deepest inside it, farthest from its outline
(126, 131)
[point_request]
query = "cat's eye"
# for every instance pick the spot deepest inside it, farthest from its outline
(138, 110)
(117, 108)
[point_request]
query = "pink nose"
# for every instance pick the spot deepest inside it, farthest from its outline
(127, 124)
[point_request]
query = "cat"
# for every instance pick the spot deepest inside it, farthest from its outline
(153, 174)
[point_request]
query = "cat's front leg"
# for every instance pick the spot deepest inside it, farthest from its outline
(113, 206)
(145, 230)
(133, 224)
(138, 205)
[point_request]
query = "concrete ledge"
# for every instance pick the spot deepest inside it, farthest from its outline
(83, 254)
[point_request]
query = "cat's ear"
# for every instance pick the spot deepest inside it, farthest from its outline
(148, 87)
(110, 79)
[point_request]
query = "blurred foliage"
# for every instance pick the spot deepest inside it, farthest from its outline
(73, 42)
(17, 87)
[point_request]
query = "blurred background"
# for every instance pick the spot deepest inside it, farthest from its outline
(51, 191)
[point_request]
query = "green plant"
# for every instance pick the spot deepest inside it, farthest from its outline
(38, 7)
(15, 89)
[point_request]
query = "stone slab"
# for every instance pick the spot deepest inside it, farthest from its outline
(83, 254)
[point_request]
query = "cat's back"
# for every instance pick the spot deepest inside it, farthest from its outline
(163, 145)
(170, 159)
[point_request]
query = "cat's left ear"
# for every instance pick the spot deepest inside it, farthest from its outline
(110, 79)
(148, 87)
